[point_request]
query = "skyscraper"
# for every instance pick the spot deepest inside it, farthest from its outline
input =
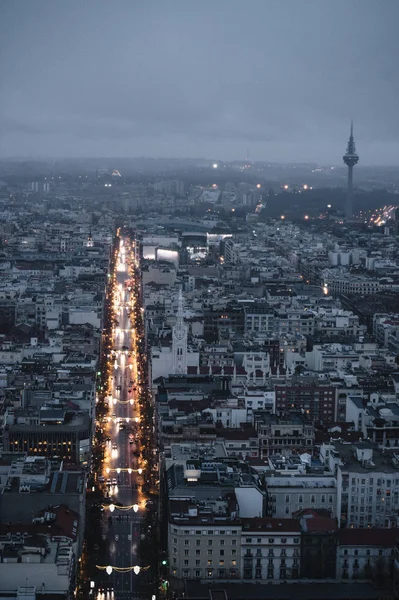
(350, 159)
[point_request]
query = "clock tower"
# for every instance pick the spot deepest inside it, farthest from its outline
(179, 345)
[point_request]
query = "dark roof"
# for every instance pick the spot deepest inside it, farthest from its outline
(269, 524)
(368, 537)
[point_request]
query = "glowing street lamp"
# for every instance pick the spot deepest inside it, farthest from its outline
(112, 507)
(139, 471)
(135, 507)
(108, 570)
(136, 570)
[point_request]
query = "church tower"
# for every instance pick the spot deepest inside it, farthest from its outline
(179, 345)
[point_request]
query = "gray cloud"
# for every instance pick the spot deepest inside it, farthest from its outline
(209, 78)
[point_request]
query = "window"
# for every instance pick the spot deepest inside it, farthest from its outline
(221, 563)
(186, 563)
(296, 540)
(210, 572)
(198, 574)
(209, 552)
(209, 562)
(248, 540)
(185, 573)
(209, 542)
(175, 540)
(186, 542)
(221, 552)
(283, 540)
(198, 552)
(271, 540)
(198, 542)
(186, 552)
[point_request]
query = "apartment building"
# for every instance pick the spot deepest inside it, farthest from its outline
(270, 549)
(202, 544)
(367, 484)
(288, 494)
(283, 435)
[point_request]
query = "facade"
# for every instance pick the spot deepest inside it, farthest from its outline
(366, 554)
(367, 484)
(318, 545)
(315, 398)
(52, 432)
(270, 549)
(289, 494)
(203, 546)
(283, 435)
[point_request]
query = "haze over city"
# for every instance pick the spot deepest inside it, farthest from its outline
(277, 80)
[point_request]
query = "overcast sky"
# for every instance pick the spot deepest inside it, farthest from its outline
(200, 78)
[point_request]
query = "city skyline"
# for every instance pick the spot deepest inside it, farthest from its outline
(209, 79)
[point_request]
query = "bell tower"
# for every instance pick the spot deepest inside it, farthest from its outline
(179, 344)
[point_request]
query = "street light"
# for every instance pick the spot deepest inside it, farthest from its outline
(112, 507)
(108, 570)
(135, 507)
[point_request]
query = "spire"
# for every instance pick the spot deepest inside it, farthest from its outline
(180, 310)
(351, 147)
